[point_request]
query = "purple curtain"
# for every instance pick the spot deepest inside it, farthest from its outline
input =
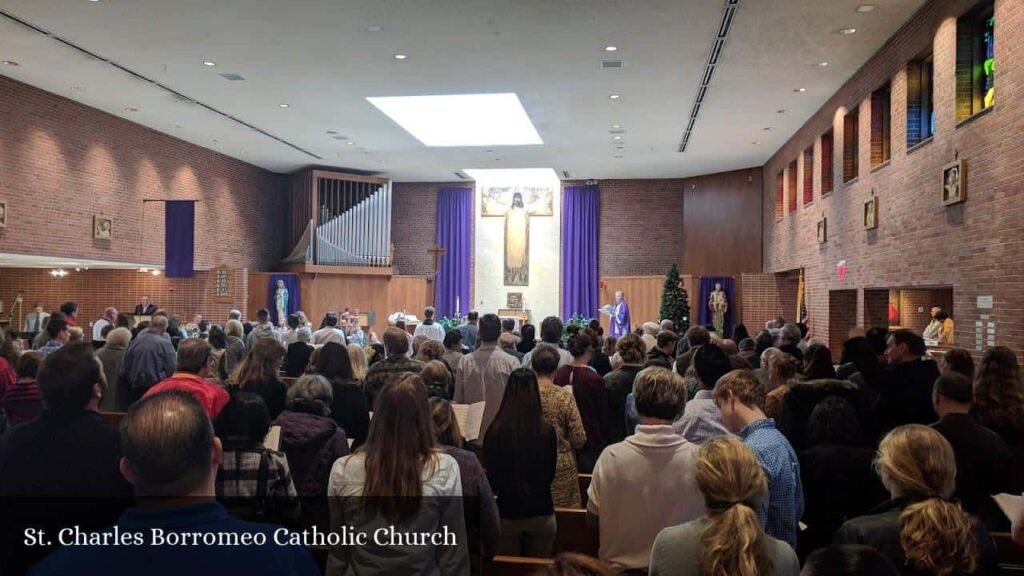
(291, 283)
(580, 221)
(454, 218)
(707, 286)
(179, 237)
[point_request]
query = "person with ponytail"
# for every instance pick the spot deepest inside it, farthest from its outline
(920, 529)
(729, 540)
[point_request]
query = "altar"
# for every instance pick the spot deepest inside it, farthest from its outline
(520, 315)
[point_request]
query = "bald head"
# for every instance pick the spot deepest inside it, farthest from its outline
(158, 324)
(169, 447)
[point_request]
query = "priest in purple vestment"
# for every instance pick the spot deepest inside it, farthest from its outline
(619, 313)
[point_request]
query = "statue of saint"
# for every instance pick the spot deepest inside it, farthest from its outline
(281, 303)
(718, 303)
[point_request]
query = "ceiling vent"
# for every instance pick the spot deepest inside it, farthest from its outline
(611, 64)
(231, 76)
(717, 46)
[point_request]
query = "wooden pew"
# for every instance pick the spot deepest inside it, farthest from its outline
(584, 480)
(514, 566)
(113, 418)
(573, 534)
(1011, 556)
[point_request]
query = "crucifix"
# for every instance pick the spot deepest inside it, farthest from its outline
(437, 251)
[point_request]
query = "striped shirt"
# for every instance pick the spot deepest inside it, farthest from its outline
(22, 402)
(782, 509)
(701, 419)
(238, 478)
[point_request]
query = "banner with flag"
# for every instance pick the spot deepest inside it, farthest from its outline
(179, 238)
(801, 303)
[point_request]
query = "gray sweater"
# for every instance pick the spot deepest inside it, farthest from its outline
(675, 552)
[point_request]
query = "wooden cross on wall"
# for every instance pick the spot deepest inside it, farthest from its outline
(437, 251)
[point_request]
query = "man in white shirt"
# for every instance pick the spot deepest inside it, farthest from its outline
(648, 481)
(329, 333)
(429, 327)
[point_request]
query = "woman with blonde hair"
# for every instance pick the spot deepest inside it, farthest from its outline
(920, 529)
(729, 541)
(357, 357)
(782, 368)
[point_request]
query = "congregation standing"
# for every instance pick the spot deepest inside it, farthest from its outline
(707, 455)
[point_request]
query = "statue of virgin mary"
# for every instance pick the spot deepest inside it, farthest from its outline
(281, 303)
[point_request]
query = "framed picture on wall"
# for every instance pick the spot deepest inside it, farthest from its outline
(822, 230)
(3, 214)
(871, 213)
(954, 183)
(102, 228)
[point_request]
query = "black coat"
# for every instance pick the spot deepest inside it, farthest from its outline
(803, 396)
(619, 383)
(880, 529)
(981, 464)
(905, 394)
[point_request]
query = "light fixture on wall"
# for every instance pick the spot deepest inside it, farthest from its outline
(144, 270)
(58, 273)
(156, 272)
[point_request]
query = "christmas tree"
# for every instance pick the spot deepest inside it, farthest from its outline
(674, 304)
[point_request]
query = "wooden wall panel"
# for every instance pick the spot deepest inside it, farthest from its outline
(722, 224)
(258, 293)
(643, 294)
(379, 294)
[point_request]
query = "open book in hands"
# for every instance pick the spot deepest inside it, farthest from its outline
(470, 418)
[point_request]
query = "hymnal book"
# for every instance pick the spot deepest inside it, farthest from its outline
(272, 441)
(1010, 505)
(470, 418)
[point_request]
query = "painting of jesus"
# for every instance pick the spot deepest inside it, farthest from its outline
(517, 204)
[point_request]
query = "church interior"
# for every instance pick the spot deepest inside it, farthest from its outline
(843, 165)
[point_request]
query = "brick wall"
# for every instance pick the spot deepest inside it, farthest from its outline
(93, 290)
(414, 229)
(765, 296)
(842, 316)
(63, 162)
(974, 247)
(876, 308)
(641, 226)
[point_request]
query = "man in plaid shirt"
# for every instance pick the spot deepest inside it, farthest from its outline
(741, 399)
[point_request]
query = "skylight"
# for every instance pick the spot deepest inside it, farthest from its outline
(462, 119)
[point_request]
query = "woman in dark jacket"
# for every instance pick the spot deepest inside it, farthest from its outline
(591, 399)
(920, 529)
(480, 508)
(349, 407)
(801, 399)
(312, 441)
(258, 374)
(836, 473)
(521, 452)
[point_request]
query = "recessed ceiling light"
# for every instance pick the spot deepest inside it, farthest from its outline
(616, 137)
(847, 31)
(130, 109)
(801, 89)
(209, 63)
(610, 48)
(9, 63)
(613, 96)
(400, 56)
(462, 119)
(866, 8)
(616, 126)
(351, 143)
(823, 64)
(283, 105)
(374, 28)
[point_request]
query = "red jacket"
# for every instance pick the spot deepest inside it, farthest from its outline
(211, 396)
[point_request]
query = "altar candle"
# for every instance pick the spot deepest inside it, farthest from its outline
(456, 305)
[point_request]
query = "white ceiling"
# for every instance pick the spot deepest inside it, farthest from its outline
(319, 57)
